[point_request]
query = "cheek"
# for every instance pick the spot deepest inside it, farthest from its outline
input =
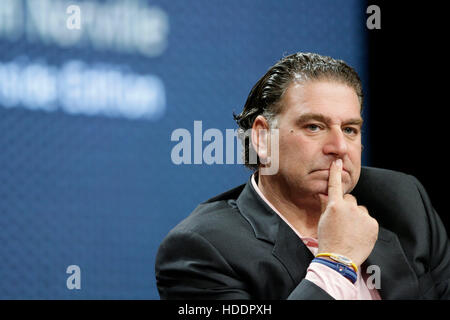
(355, 159)
(355, 155)
(297, 152)
(291, 145)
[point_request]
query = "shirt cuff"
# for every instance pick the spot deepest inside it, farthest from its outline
(335, 284)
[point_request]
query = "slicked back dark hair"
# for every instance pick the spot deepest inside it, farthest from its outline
(265, 96)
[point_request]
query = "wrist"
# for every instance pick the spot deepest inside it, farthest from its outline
(335, 257)
(342, 269)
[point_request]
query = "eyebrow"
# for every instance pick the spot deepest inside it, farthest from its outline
(322, 118)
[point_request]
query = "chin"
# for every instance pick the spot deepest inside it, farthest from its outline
(322, 187)
(318, 187)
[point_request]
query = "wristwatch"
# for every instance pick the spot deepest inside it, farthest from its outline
(339, 258)
(346, 271)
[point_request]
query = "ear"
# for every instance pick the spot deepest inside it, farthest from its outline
(260, 137)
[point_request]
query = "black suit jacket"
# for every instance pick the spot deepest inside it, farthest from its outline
(234, 246)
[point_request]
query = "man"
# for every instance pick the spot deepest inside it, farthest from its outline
(319, 226)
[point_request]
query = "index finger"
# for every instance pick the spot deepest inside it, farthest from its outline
(335, 181)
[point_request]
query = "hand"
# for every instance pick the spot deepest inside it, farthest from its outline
(344, 227)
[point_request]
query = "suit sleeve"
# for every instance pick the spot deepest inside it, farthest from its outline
(188, 266)
(439, 259)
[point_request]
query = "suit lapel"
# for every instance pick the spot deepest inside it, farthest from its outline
(289, 249)
(292, 252)
(398, 280)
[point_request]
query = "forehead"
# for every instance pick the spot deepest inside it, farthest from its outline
(333, 99)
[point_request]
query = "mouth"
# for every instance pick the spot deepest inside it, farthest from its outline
(327, 170)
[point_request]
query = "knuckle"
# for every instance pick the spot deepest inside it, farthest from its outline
(349, 197)
(355, 210)
(374, 224)
(363, 209)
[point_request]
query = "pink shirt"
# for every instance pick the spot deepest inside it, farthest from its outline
(326, 278)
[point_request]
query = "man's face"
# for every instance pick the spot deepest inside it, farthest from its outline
(320, 122)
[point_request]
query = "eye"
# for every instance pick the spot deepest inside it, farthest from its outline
(312, 127)
(351, 130)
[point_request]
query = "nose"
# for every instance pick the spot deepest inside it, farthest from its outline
(335, 143)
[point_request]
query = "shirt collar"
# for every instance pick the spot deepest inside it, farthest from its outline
(307, 240)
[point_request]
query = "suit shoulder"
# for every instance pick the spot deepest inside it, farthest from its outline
(385, 180)
(389, 188)
(213, 217)
(395, 195)
(379, 174)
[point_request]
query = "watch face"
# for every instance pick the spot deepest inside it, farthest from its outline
(341, 259)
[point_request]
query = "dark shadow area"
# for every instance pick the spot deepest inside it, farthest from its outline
(408, 95)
